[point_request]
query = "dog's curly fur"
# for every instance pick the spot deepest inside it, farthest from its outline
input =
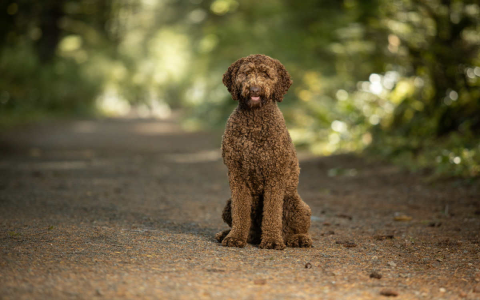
(263, 170)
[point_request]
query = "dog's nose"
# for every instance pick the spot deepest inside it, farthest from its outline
(254, 89)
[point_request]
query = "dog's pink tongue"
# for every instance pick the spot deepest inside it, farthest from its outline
(255, 98)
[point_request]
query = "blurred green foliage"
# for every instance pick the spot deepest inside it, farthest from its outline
(397, 79)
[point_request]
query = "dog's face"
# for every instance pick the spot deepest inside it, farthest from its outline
(257, 79)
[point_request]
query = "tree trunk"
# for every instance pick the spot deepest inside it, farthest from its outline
(50, 17)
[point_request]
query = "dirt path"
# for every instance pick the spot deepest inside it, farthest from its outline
(128, 209)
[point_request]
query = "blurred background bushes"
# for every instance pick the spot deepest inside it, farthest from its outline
(397, 79)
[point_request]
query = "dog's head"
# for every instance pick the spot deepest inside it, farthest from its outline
(257, 79)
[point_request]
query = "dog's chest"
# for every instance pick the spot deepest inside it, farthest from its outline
(258, 150)
(256, 145)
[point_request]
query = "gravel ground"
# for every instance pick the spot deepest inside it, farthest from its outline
(128, 209)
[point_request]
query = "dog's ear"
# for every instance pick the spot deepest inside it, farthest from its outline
(229, 78)
(284, 82)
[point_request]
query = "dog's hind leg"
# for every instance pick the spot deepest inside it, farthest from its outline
(296, 222)
(227, 213)
(227, 218)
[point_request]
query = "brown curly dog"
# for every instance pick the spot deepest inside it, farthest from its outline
(263, 170)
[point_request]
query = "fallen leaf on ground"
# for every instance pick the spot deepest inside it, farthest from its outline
(260, 281)
(215, 270)
(381, 237)
(389, 293)
(344, 216)
(402, 218)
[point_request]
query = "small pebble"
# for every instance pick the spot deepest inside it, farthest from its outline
(442, 290)
(376, 275)
(391, 264)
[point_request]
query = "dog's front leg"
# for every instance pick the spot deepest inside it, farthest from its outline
(241, 208)
(272, 217)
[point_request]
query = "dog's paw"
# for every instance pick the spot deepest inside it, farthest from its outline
(230, 241)
(299, 241)
(221, 235)
(276, 244)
